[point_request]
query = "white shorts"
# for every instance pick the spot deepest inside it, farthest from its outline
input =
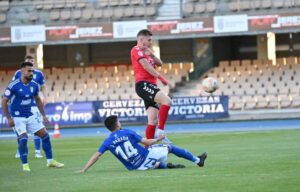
(27, 125)
(157, 153)
(37, 114)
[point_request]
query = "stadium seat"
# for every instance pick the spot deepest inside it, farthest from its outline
(54, 15)
(2, 18)
(200, 8)
(87, 14)
(76, 14)
(211, 6)
(65, 15)
(266, 4)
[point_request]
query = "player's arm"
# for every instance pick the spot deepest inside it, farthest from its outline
(157, 61)
(91, 162)
(152, 71)
(40, 106)
(149, 142)
(4, 104)
(44, 92)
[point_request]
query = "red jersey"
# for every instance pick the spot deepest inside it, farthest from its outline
(140, 73)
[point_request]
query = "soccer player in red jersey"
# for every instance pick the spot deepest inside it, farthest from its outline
(144, 64)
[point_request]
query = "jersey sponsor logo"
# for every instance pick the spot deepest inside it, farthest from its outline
(140, 53)
(7, 92)
(20, 90)
(17, 113)
(26, 102)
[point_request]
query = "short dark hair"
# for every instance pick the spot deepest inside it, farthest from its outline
(144, 32)
(110, 122)
(24, 64)
(28, 57)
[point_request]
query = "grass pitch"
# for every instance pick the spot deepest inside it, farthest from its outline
(237, 161)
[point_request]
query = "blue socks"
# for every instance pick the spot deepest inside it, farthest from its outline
(37, 142)
(46, 144)
(179, 152)
(23, 149)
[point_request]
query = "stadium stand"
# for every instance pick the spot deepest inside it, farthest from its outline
(253, 84)
(250, 84)
(68, 11)
(99, 83)
(194, 8)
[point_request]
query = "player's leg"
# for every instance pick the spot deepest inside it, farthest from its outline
(147, 91)
(17, 155)
(157, 159)
(165, 104)
(47, 147)
(37, 141)
(152, 113)
(39, 129)
(37, 146)
(20, 129)
(23, 150)
(183, 153)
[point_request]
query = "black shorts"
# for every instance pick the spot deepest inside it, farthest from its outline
(147, 92)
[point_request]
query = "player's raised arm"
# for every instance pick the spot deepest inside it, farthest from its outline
(148, 51)
(91, 162)
(152, 71)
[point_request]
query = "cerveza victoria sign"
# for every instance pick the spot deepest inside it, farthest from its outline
(183, 109)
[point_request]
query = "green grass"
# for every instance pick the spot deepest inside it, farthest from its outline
(239, 161)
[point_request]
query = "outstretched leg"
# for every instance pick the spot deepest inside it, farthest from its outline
(46, 144)
(180, 152)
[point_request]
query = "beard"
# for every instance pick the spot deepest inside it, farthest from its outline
(29, 78)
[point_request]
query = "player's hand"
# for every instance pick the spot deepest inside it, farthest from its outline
(45, 101)
(11, 122)
(160, 137)
(147, 50)
(163, 80)
(46, 120)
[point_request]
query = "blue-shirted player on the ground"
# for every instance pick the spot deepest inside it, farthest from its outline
(124, 145)
(39, 78)
(20, 94)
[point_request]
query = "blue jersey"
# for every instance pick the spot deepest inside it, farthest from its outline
(38, 77)
(124, 145)
(21, 97)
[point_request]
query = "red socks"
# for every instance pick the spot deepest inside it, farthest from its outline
(163, 115)
(150, 131)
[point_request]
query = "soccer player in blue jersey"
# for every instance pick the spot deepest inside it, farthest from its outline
(20, 94)
(124, 145)
(39, 78)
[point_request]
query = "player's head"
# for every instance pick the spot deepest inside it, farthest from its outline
(144, 38)
(112, 123)
(27, 70)
(29, 58)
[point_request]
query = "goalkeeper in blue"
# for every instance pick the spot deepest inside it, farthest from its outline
(20, 93)
(124, 145)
